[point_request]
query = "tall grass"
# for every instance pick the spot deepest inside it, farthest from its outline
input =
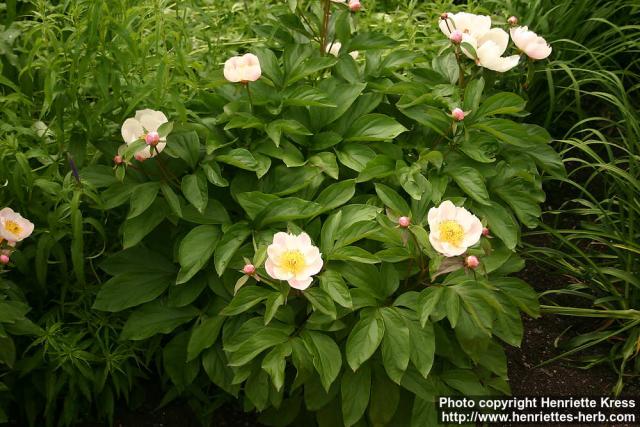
(587, 96)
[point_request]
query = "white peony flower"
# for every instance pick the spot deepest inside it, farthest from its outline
(468, 24)
(334, 49)
(490, 48)
(13, 227)
(294, 259)
(534, 46)
(144, 126)
(452, 229)
(242, 69)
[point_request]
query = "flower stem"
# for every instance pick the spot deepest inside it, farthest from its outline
(325, 26)
(246, 85)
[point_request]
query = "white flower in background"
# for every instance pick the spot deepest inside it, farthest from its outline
(452, 229)
(144, 126)
(334, 49)
(294, 259)
(490, 48)
(13, 227)
(534, 46)
(469, 24)
(41, 129)
(242, 69)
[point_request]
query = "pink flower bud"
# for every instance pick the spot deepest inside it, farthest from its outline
(354, 5)
(249, 269)
(117, 159)
(140, 157)
(485, 231)
(457, 114)
(472, 262)
(4, 259)
(513, 21)
(404, 221)
(456, 37)
(152, 138)
(444, 16)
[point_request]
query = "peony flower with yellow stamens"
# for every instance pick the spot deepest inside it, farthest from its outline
(293, 258)
(13, 227)
(452, 229)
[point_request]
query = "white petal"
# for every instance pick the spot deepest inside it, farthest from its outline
(497, 36)
(280, 239)
(6, 212)
(131, 130)
(151, 120)
(313, 268)
(538, 49)
(301, 284)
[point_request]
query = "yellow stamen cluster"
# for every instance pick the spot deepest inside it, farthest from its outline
(293, 262)
(12, 227)
(451, 232)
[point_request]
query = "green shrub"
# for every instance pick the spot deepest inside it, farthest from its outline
(340, 149)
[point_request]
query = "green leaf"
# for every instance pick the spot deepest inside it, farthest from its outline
(204, 336)
(194, 188)
(258, 340)
(473, 94)
(274, 364)
(131, 289)
(7, 351)
(276, 128)
(184, 145)
(171, 198)
(447, 67)
(214, 174)
(327, 163)
(355, 390)
(355, 156)
(246, 298)
(500, 222)
(374, 127)
(385, 396)
(286, 209)
(423, 347)
(321, 301)
(336, 195)
(137, 228)
(392, 199)
(369, 40)
(343, 95)
(240, 158)
(505, 130)
(429, 299)
(232, 239)
(520, 293)
(364, 339)
(471, 182)
(501, 103)
(396, 346)
(143, 197)
(354, 254)
(380, 166)
(195, 250)
(154, 318)
(333, 284)
(326, 356)
(306, 96)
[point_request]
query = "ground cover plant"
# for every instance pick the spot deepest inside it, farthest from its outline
(323, 227)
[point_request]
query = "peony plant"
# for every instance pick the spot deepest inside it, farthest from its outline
(338, 241)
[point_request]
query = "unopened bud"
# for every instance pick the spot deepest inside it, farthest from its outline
(472, 262)
(457, 114)
(117, 159)
(140, 157)
(249, 269)
(4, 259)
(513, 21)
(354, 5)
(456, 37)
(485, 231)
(444, 16)
(404, 221)
(152, 138)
